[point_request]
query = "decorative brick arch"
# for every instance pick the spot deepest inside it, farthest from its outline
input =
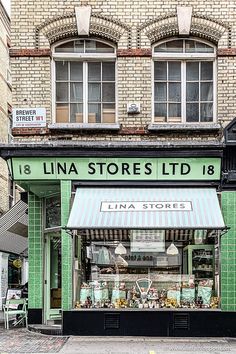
(64, 26)
(167, 26)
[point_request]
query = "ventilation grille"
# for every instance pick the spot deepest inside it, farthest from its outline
(181, 321)
(111, 321)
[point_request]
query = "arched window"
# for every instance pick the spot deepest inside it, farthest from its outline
(184, 81)
(84, 82)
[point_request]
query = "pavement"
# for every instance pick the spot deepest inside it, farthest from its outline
(20, 340)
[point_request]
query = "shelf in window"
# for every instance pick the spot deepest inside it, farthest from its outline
(203, 256)
(203, 270)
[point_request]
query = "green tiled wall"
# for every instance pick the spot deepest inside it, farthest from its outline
(35, 250)
(228, 253)
(66, 247)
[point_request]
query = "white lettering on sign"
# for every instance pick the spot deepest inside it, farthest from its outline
(31, 117)
(147, 206)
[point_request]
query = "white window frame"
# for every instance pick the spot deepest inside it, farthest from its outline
(85, 58)
(183, 58)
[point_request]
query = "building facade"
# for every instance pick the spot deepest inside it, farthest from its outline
(5, 102)
(119, 113)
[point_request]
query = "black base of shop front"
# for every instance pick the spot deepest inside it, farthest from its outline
(150, 323)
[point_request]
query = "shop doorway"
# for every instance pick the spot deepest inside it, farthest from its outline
(53, 277)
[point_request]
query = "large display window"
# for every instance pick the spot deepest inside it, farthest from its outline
(143, 269)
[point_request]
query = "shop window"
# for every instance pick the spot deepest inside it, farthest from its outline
(52, 212)
(148, 269)
(184, 82)
(14, 271)
(85, 84)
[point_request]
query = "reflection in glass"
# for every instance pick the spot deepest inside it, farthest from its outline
(76, 71)
(61, 70)
(160, 91)
(206, 70)
(108, 71)
(160, 70)
(192, 71)
(62, 113)
(206, 91)
(55, 272)
(192, 91)
(76, 113)
(94, 92)
(175, 110)
(160, 110)
(175, 46)
(174, 71)
(108, 92)
(206, 112)
(192, 112)
(62, 92)
(108, 113)
(76, 92)
(174, 92)
(92, 46)
(197, 47)
(94, 113)
(53, 211)
(94, 71)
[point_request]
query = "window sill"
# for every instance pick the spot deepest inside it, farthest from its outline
(184, 127)
(84, 126)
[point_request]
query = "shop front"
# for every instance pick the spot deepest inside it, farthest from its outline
(127, 245)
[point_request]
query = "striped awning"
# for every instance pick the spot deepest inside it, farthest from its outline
(145, 208)
(14, 229)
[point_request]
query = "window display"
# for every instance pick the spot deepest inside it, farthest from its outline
(148, 269)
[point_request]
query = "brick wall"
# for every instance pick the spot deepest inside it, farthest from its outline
(31, 66)
(5, 99)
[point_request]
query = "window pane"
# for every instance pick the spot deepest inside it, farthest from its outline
(170, 47)
(76, 113)
(76, 92)
(206, 70)
(62, 113)
(62, 92)
(192, 91)
(53, 211)
(192, 71)
(79, 46)
(94, 113)
(108, 92)
(94, 71)
(76, 71)
(206, 112)
(61, 70)
(206, 91)
(108, 71)
(160, 91)
(192, 112)
(94, 92)
(174, 71)
(108, 113)
(174, 92)
(97, 47)
(174, 110)
(160, 110)
(65, 48)
(160, 70)
(197, 47)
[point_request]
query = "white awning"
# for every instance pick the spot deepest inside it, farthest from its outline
(14, 229)
(146, 208)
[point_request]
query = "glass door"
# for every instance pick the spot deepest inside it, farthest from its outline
(53, 276)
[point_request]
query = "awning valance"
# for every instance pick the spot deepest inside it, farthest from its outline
(146, 208)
